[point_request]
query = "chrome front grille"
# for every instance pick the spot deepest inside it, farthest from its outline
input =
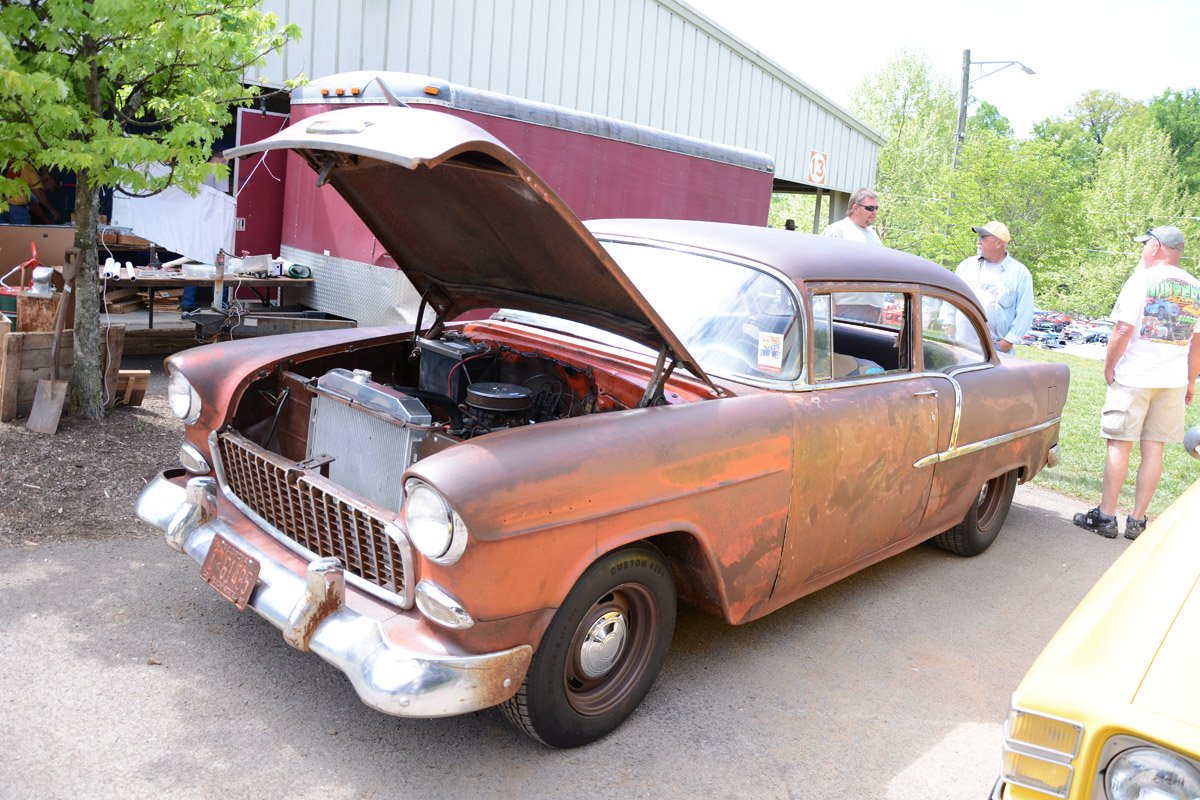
(314, 516)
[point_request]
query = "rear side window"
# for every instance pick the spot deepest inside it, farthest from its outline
(950, 339)
(859, 334)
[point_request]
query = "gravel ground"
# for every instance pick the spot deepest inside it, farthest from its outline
(84, 480)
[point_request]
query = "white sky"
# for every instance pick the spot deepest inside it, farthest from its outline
(1137, 48)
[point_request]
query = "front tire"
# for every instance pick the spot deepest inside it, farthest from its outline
(602, 651)
(984, 519)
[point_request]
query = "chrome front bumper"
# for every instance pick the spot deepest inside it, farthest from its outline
(311, 612)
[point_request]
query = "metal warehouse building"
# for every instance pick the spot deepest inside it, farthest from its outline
(652, 62)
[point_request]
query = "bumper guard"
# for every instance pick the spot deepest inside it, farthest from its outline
(311, 612)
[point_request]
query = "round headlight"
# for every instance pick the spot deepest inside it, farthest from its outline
(433, 528)
(185, 403)
(1148, 772)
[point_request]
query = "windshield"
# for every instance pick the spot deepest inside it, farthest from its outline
(733, 319)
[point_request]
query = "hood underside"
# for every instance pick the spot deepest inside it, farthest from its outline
(469, 224)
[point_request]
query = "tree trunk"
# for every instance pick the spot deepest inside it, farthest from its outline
(87, 386)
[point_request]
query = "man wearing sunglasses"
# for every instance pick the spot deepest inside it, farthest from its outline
(1002, 284)
(860, 216)
(856, 227)
(1151, 364)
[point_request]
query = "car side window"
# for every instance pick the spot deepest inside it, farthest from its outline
(859, 334)
(950, 340)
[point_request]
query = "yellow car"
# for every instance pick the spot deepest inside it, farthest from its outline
(1111, 708)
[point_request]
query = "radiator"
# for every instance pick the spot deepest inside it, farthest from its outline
(365, 428)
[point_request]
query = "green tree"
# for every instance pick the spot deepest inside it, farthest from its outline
(1137, 186)
(917, 111)
(1178, 114)
(1037, 194)
(988, 118)
(1097, 112)
(1072, 144)
(104, 87)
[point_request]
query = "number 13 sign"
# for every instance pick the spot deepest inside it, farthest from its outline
(818, 167)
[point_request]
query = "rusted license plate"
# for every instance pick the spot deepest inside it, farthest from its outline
(230, 571)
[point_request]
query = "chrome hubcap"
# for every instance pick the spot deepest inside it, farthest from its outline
(602, 645)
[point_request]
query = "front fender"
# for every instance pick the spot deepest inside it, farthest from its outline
(221, 372)
(543, 502)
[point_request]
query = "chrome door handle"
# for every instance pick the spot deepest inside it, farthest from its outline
(926, 393)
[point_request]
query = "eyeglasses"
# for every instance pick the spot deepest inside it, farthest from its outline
(869, 208)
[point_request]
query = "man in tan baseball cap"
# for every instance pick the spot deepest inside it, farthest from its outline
(1002, 284)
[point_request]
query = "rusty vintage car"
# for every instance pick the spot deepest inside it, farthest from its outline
(465, 514)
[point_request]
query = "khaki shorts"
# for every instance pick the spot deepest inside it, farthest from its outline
(1131, 414)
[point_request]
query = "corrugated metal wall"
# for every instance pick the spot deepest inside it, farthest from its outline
(653, 62)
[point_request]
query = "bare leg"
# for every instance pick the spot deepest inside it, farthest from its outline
(1116, 468)
(1149, 471)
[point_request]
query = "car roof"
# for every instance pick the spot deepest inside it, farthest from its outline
(803, 257)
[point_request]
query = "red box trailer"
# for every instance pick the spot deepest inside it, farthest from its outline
(601, 167)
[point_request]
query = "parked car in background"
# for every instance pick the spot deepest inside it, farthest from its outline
(1111, 708)
(1050, 321)
(505, 511)
(1047, 339)
(1076, 331)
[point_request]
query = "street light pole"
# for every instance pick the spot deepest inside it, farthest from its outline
(962, 108)
(963, 95)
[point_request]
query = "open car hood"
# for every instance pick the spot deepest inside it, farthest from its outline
(468, 223)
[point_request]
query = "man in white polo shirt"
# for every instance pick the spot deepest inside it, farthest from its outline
(856, 227)
(1151, 364)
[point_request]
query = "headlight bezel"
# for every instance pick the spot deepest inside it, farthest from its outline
(435, 529)
(182, 396)
(1121, 746)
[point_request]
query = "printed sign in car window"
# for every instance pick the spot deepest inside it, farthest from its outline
(770, 351)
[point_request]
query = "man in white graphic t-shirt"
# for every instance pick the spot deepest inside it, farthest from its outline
(1151, 364)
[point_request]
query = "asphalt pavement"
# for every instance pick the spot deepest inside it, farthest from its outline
(127, 677)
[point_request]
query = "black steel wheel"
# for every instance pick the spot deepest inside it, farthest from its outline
(602, 651)
(984, 519)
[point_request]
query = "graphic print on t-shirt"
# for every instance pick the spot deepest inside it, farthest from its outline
(1170, 313)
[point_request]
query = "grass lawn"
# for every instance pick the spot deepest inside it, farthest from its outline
(1082, 450)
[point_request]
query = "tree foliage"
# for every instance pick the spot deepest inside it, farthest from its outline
(1097, 112)
(917, 112)
(1178, 114)
(104, 87)
(1072, 196)
(1137, 187)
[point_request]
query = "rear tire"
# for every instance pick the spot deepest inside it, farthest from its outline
(601, 653)
(984, 519)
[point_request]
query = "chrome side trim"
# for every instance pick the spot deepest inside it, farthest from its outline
(974, 447)
(958, 405)
(397, 670)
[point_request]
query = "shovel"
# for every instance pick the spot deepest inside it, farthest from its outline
(48, 400)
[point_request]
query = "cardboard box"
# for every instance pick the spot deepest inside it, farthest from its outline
(52, 242)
